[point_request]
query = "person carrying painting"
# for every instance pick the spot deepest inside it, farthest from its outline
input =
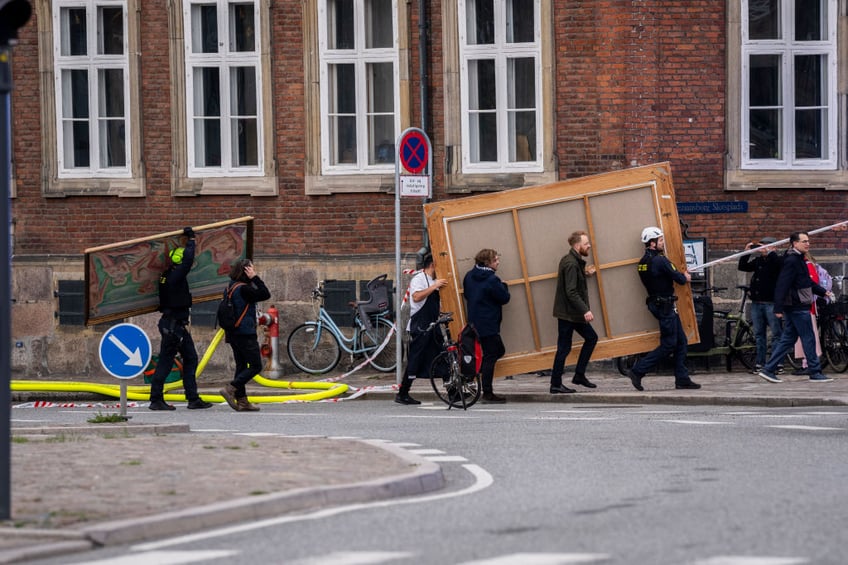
(175, 305)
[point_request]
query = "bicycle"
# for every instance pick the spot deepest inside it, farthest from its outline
(450, 385)
(316, 347)
(833, 332)
(738, 340)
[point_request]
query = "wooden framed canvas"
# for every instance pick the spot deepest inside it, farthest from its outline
(122, 278)
(529, 227)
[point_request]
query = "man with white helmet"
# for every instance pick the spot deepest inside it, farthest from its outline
(658, 274)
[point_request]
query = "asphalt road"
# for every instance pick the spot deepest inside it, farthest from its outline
(557, 484)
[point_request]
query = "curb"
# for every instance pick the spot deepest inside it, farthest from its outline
(425, 476)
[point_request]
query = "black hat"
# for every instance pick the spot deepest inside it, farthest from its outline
(767, 240)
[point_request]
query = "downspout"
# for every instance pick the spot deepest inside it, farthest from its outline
(424, 80)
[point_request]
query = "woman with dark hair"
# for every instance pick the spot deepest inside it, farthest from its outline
(249, 289)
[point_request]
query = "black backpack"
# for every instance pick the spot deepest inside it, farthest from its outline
(226, 317)
(470, 351)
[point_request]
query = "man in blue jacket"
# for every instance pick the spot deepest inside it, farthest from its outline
(485, 295)
(794, 293)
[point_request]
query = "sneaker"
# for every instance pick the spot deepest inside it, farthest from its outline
(801, 371)
(198, 404)
(492, 398)
(583, 381)
(244, 405)
(229, 394)
(820, 378)
(770, 377)
(635, 379)
(161, 405)
(758, 368)
(406, 399)
(780, 370)
(687, 385)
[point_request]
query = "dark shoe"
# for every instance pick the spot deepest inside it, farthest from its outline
(199, 404)
(492, 398)
(687, 385)
(635, 379)
(820, 378)
(406, 399)
(780, 370)
(799, 372)
(229, 394)
(243, 405)
(770, 377)
(161, 405)
(583, 381)
(561, 389)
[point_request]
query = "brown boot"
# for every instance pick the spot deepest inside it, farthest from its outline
(243, 405)
(229, 394)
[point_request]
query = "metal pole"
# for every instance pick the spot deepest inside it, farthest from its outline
(5, 286)
(398, 288)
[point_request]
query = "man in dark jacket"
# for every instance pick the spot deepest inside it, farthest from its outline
(571, 308)
(794, 293)
(485, 295)
(765, 264)
(175, 305)
(243, 341)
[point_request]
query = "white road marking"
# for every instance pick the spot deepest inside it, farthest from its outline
(698, 422)
(426, 451)
(482, 480)
(541, 559)
(164, 557)
(572, 418)
(807, 428)
(353, 558)
(744, 560)
(446, 458)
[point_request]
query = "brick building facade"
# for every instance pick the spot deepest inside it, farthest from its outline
(615, 84)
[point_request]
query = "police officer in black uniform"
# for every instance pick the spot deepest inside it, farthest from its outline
(175, 305)
(658, 274)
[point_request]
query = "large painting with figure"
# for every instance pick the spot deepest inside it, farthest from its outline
(122, 278)
(530, 226)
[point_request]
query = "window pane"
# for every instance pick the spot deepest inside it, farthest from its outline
(343, 138)
(522, 128)
(810, 134)
(111, 93)
(207, 112)
(207, 142)
(764, 19)
(204, 28)
(73, 32)
(809, 21)
(75, 93)
(484, 137)
(207, 91)
(381, 132)
(521, 79)
(480, 21)
(112, 143)
(381, 92)
(340, 24)
(481, 85)
(520, 19)
(110, 30)
(765, 134)
(378, 24)
(342, 121)
(343, 89)
(765, 80)
(245, 142)
(243, 91)
(242, 28)
(809, 80)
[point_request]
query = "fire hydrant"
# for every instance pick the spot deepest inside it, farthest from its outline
(271, 321)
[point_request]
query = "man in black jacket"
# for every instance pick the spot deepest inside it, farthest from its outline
(175, 305)
(794, 293)
(765, 264)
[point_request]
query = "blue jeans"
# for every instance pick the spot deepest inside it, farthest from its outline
(763, 319)
(566, 331)
(796, 324)
(672, 341)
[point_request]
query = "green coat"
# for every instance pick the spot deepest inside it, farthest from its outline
(572, 294)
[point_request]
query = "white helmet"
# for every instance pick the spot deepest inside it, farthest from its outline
(651, 232)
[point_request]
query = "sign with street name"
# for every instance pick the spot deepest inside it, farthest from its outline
(415, 185)
(713, 207)
(125, 351)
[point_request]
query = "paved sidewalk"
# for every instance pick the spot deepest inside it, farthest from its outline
(70, 492)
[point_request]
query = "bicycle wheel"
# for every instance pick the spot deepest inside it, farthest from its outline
(451, 387)
(386, 360)
(745, 347)
(625, 363)
(835, 344)
(313, 349)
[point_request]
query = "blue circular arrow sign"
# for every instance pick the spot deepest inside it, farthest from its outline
(125, 351)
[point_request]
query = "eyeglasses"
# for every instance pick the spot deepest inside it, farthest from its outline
(807, 241)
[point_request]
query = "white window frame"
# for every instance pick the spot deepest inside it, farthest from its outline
(501, 52)
(360, 57)
(787, 49)
(93, 63)
(224, 60)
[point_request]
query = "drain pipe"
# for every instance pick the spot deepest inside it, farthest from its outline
(424, 80)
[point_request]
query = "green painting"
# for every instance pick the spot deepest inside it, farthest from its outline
(122, 278)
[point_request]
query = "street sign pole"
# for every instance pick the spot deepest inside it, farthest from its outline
(414, 153)
(5, 285)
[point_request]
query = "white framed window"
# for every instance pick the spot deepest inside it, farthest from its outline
(223, 85)
(92, 91)
(789, 104)
(500, 57)
(358, 56)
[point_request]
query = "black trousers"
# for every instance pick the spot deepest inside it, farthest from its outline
(248, 360)
(493, 349)
(175, 339)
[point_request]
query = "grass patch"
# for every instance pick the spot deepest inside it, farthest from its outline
(258, 492)
(20, 439)
(131, 462)
(101, 418)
